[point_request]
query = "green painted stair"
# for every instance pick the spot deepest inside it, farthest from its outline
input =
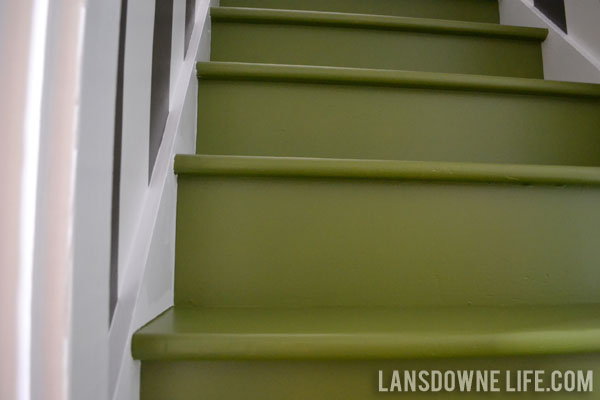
(362, 333)
(337, 353)
(303, 111)
(463, 10)
(334, 39)
(379, 185)
(311, 232)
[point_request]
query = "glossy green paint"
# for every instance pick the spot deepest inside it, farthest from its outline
(367, 333)
(340, 380)
(346, 40)
(464, 10)
(335, 241)
(290, 167)
(385, 22)
(391, 78)
(330, 353)
(448, 221)
(349, 113)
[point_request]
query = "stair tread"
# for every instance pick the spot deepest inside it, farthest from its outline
(368, 333)
(477, 10)
(386, 169)
(262, 15)
(392, 78)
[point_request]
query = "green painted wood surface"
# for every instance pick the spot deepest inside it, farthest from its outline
(349, 113)
(346, 40)
(300, 278)
(367, 333)
(316, 241)
(200, 165)
(338, 380)
(467, 10)
(385, 22)
(390, 78)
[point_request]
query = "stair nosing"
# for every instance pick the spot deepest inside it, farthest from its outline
(370, 21)
(238, 71)
(387, 347)
(257, 166)
(168, 344)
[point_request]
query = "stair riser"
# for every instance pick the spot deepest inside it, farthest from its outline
(369, 122)
(337, 380)
(467, 10)
(245, 241)
(347, 47)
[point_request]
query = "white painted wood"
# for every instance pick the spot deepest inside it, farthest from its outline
(583, 24)
(565, 58)
(146, 281)
(177, 43)
(88, 361)
(136, 124)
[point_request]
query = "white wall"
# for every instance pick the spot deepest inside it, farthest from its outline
(566, 57)
(55, 216)
(15, 35)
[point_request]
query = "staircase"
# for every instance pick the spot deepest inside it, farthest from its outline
(379, 185)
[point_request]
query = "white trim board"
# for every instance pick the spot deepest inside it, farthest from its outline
(146, 286)
(88, 341)
(565, 58)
